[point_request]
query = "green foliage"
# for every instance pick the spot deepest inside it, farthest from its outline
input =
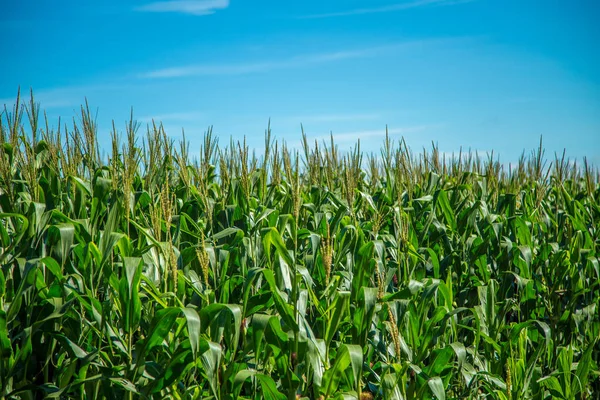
(151, 275)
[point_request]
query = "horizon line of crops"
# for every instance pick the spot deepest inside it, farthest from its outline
(316, 274)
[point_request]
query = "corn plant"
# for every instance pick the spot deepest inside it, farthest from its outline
(318, 275)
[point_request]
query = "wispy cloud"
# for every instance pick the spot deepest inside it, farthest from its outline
(318, 118)
(297, 61)
(60, 97)
(352, 137)
(193, 7)
(388, 8)
(190, 116)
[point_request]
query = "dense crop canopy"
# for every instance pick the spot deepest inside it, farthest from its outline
(318, 275)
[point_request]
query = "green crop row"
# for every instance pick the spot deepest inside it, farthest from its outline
(319, 274)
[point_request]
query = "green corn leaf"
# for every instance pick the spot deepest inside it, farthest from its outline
(5, 346)
(160, 327)
(194, 328)
(584, 366)
(437, 387)
(267, 384)
(222, 320)
(129, 293)
(211, 361)
(339, 308)
(444, 204)
(346, 356)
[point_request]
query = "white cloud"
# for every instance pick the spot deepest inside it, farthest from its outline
(190, 116)
(352, 137)
(193, 7)
(297, 61)
(389, 8)
(59, 97)
(209, 69)
(334, 118)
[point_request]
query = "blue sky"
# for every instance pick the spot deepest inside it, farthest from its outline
(481, 74)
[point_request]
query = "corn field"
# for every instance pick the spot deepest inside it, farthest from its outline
(311, 273)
